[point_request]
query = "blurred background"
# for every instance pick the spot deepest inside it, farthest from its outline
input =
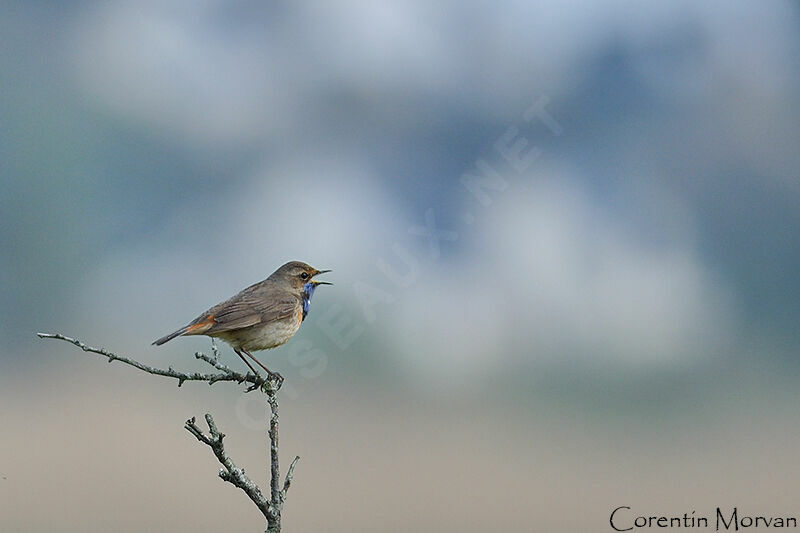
(564, 243)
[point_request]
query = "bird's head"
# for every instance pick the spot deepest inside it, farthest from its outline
(299, 276)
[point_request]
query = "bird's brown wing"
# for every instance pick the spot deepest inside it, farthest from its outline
(250, 307)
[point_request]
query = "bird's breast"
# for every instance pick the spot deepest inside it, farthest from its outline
(264, 336)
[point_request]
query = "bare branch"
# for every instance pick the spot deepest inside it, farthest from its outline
(275, 471)
(231, 473)
(270, 507)
(227, 374)
(289, 477)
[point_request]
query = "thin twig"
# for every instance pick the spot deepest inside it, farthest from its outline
(230, 473)
(289, 477)
(226, 373)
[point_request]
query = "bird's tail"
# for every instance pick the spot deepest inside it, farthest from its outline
(171, 336)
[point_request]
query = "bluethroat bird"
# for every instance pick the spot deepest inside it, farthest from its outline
(262, 316)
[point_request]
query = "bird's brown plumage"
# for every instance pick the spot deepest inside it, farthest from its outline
(261, 316)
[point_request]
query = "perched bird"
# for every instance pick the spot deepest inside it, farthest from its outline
(262, 316)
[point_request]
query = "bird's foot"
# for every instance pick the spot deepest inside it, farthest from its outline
(256, 380)
(275, 380)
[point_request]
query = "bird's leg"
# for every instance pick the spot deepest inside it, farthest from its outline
(239, 353)
(258, 379)
(276, 375)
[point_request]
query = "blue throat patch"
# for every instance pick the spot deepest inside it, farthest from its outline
(308, 292)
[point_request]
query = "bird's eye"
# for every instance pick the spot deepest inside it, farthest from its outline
(304, 276)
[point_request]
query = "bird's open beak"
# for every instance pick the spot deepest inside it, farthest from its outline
(316, 282)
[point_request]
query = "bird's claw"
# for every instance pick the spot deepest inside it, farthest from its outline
(273, 382)
(275, 379)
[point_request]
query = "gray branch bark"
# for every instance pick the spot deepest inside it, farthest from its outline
(270, 507)
(230, 473)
